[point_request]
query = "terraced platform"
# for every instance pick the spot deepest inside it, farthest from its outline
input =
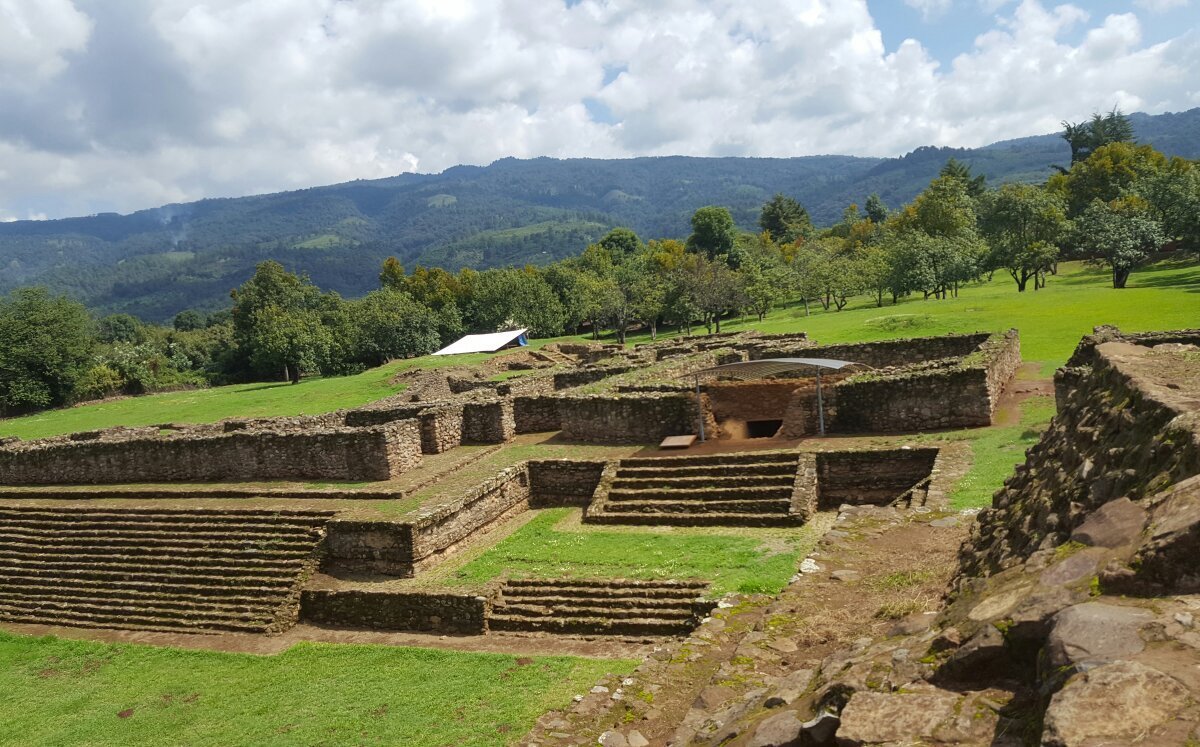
(198, 570)
(744, 489)
(599, 607)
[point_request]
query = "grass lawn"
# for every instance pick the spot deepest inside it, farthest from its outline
(1162, 296)
(995, 451)
(60, 692)
(312, 396)
(549, 546)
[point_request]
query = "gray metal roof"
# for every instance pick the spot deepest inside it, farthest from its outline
(769, 367)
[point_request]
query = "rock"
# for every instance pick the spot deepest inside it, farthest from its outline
(918, 622)
(844, 575)
(1185, 619)
(946, 640)
(907, 718)
(808, 565)
(635, 739)
(790, 688)
(781, 730)
(1072, 570)
(1167, 561)
(949, 521)
(1114, 524)
(983, 654)
(995, 605)
(713, 696)
(1115, 702)
(613, 739)
(783, 645)
(1091, 634)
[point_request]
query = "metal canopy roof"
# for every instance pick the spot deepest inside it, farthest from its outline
(769, 367)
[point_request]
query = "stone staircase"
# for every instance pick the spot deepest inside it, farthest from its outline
(156, 569)
(744, 489)
(599, 607)
(557, 357)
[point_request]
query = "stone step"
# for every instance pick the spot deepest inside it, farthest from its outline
(703, 495)
(747, 457)
(178, 587)
(148, 553)
(146, 594)
(706, 481)
(211, 516)
(216, 566)
(12, 574)
(115, 543)
(128, 621)
(604, 585)
(727, 470)
(589, 625)
(678, 508)
(530, 609)
(610, 602)
(256, 611)
(694, 519)
(215, 531)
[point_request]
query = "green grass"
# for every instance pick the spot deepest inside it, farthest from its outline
(1051, 321)
(751, 561)
(312, 396)
(62, 692)
(995, 451)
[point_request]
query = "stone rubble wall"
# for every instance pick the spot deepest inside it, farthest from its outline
(1085, 351)
(536, 414)
(627, 418)
(489, 422)
(587, 375)
(441, 423)
(213, 454)
(870, 476)
(563, 482)
(1116, 434)
(881, 353)
(428, 612)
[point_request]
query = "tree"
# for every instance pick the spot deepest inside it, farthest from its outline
(875, 209)
(763, 284)
(47, 346)
(1119, 234)
(975, 185)
(188, 320)
(944, 209)
(1174, 197)
(713, 232)
(872, 265)
(1101, 130)
(1111, 171)
(391, 275)
(277, 323)
(119, 328)
(620, 243)
(785, 219)
(390, 324)
(503, 299)
(1022, 225)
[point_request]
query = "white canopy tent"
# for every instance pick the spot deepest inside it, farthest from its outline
(488, 343)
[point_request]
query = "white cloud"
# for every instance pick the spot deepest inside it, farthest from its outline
(930, 9)
(1160, 6)
(138, 103)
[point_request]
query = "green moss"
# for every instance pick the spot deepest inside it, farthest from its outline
(1067, 549)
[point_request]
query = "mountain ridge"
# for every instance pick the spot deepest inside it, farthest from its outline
(158, 261)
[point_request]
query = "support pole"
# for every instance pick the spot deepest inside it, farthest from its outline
(820, 403)
(700, 408)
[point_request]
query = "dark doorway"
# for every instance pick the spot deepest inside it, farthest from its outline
(763, 428)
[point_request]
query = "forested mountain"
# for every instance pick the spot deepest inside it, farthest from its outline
(154, 263)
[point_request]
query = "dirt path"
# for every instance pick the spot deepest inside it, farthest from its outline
(878, 568)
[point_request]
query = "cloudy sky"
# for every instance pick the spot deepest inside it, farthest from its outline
(125, 104)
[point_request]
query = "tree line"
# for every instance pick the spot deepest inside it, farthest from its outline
(1117, 203)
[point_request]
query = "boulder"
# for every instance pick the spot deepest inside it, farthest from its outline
(1116, 523)
(1112, 704)
(905, 717)
(1167, 560)
(1092, 634)
(781, 730)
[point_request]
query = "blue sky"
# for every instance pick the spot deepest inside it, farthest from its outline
(117, 106)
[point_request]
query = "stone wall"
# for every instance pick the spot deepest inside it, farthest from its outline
(587, 375)
(627, 418)
(1121, 432)
(563, 482)
(489, 422)
(211, 454)
(882, 353)
(441, 423)
(870, 476)
(536, 414)
(455, 614)
(404, 548)
(1085, 351)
